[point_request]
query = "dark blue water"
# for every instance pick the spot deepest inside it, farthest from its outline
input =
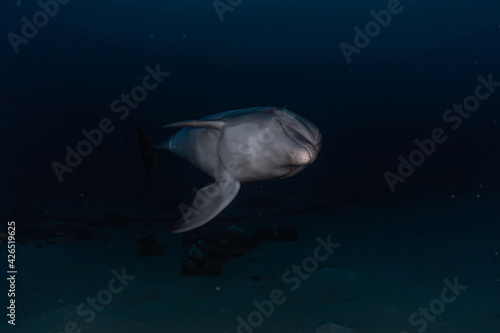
(274, 53)
(371, 94)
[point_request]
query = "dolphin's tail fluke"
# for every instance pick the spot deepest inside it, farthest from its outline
(149, 152)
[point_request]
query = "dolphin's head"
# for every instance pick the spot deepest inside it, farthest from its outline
(267, 143)
(304, 134)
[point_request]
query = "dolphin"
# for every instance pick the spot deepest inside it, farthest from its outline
(235, 147)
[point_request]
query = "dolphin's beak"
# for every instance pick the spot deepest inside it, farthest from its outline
(300, 156)
(308, 147)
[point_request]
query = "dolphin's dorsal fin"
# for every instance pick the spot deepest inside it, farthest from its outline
(215, 124)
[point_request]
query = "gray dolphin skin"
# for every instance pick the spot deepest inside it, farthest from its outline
(232, 147)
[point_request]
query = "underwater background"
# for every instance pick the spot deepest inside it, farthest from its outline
(402, 201)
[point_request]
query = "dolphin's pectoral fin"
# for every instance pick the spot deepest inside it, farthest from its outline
(215, 124)
(208, 202)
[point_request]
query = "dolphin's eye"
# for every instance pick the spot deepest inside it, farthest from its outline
(271, 111)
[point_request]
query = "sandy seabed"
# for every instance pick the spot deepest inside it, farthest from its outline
(391, 265)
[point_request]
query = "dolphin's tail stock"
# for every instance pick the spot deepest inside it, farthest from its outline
(149, 152)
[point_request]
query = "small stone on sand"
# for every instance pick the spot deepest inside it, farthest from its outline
(333, 328)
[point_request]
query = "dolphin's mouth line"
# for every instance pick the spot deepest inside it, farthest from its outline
(288, 135)
(289, 172)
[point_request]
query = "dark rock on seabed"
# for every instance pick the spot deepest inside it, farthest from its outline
(207, 249)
